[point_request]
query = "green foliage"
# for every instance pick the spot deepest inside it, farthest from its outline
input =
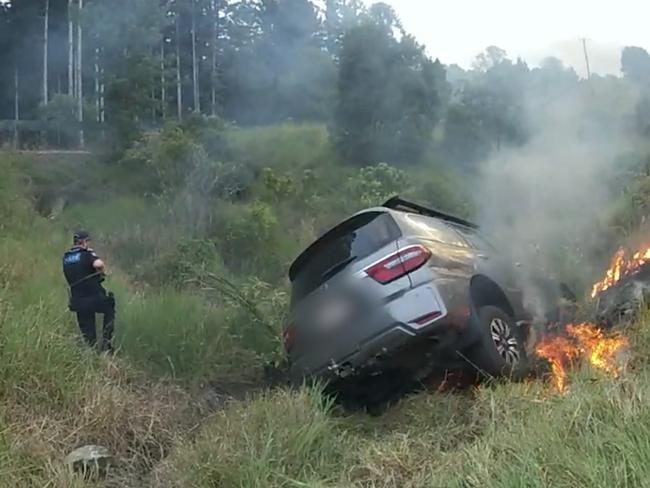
(14, 211)
(390, 95)
(490, 112)
(282, 147)
(635, 64)
(442, 189)
(187, 260)
(160, 163)
(245, 234)
(373, 185)
(174, 333)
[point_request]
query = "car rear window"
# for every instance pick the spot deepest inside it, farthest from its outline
(345, 244)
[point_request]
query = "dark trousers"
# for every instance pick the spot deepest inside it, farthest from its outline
(86, 309)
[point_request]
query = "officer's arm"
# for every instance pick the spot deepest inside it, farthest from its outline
(98, 264)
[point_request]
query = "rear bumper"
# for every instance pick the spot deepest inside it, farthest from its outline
(410, 330)
(397, 347)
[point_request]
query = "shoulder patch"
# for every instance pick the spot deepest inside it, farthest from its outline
(71, 258)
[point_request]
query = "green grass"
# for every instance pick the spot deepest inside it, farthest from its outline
(177, 334)
(501, 436)
(283, 147)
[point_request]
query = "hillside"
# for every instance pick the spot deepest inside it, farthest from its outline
(183, 403)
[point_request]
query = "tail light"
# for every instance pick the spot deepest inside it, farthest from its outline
(398, 264)
(289, 336)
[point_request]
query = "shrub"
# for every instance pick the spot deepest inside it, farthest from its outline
(375, 184)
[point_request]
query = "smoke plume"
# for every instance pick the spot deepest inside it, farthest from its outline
(544, 202)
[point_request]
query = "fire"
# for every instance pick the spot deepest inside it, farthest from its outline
(621, 267)
(582, 342)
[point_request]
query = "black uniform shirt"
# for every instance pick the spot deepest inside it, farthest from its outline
(82, 277)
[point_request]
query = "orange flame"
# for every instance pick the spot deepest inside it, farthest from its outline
(583, 341)
(621, 267)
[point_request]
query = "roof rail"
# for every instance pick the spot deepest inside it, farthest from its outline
(397, 203)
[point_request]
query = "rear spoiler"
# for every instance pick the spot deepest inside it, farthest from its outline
(399, 204)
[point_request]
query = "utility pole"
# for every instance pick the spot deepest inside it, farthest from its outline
(584, 48)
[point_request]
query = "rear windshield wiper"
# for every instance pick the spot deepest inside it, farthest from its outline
(337, 268)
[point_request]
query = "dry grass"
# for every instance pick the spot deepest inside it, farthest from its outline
(136, 420)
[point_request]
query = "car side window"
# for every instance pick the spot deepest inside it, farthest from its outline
(435, 230)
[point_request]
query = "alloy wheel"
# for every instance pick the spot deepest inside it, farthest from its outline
(505, 341)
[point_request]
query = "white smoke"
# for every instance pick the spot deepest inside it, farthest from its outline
(545, 202)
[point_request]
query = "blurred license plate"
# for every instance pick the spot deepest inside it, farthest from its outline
(333, 314)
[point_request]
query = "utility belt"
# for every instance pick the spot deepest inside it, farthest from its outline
(98, 303)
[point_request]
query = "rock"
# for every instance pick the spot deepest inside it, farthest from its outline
(89, 461)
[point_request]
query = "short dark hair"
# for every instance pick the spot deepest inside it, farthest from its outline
(79, 236)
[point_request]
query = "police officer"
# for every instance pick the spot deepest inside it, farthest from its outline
(84, 272)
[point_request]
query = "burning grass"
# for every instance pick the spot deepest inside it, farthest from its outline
(581, 343)
(620, 267)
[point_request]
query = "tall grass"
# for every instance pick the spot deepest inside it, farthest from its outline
(57, 394)
(500, 436)
(178, 334)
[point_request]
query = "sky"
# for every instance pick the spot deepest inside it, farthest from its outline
(455, 31)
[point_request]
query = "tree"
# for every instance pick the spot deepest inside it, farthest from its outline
(80, 91)
(635, 64)
(339, 17)
(70, 50)
(195, 67)
(46, 25)
(389, 93)
(489, 110)
(491, 57)
(275, 67)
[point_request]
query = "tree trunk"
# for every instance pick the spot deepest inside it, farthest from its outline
(163, 88)
(16, 107)
(70, 51)
(45, 48)
(179, 86)
(97, 103)
(80, 91)
(195, 67)
(102, 103)
(215, 33)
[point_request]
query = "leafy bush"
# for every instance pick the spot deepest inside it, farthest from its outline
(375, 184)
(159, 163)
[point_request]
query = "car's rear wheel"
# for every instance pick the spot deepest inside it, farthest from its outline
(500, 350)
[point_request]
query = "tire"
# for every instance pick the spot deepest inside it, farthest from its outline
(500, 350)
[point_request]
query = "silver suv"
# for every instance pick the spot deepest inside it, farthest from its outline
(397, 292)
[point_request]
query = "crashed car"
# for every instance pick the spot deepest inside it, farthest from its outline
(396, 292)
